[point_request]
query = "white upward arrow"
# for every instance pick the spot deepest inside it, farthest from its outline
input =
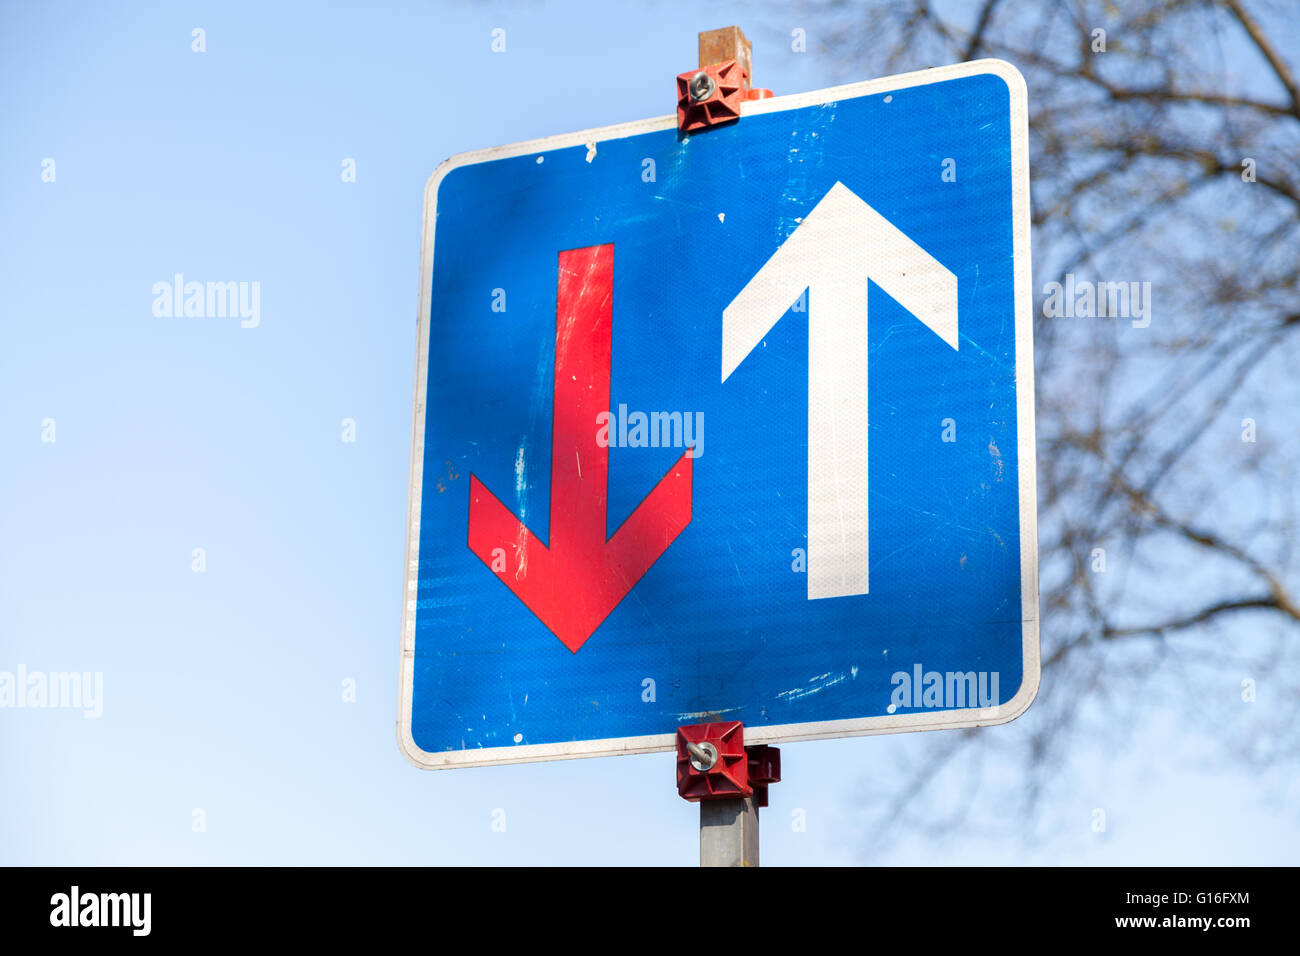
(840, 245)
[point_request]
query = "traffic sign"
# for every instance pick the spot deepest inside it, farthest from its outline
(735, 425)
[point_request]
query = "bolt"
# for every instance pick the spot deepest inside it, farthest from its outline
(701, 87)
(703, 756)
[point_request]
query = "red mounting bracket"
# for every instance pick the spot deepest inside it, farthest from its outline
(712, 94)
(713, 763)
(764, 770)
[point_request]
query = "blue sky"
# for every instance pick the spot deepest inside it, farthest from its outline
(222, 690)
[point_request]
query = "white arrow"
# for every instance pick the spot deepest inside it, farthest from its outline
(838, 247)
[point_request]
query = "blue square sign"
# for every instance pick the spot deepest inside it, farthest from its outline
(736, 425)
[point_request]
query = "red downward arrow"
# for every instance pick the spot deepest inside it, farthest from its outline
(575, 583)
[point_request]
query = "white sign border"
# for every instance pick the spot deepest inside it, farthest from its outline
(1025, 439)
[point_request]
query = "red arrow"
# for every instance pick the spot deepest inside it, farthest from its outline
(575, 583)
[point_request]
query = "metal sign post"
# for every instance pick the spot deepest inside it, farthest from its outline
(728, 824)
(729, 832)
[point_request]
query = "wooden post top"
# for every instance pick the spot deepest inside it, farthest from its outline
(727, 43)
